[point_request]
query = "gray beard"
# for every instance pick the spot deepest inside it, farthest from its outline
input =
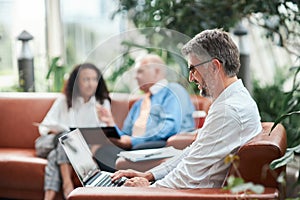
(204, 92)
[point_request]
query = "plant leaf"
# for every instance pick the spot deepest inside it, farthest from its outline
(295, 149)
(231, 158)
(258, 189)
(282, 117)
(234, 181)
(288, 157)
(52, 66)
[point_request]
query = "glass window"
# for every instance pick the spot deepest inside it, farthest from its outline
(86, 25)
(16, 16)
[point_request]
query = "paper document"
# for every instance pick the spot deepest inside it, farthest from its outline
(57, 127)
(149, 154)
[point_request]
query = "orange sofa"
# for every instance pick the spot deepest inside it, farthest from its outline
(255, 157)
(21, 172)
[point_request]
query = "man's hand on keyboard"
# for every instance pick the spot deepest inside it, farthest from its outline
(126, 173)
(146, 177)
(137, 182)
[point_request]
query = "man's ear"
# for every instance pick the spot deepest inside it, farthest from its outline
(216, 65)
(157, 71)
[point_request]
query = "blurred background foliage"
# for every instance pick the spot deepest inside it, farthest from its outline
(274, 101)
(279, 18)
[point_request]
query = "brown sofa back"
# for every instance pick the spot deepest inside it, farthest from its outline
(256, 155)
(122, 102)
(19, 110)
(120, 106)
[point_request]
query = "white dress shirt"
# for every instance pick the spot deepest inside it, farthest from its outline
(81, 114)
(232, 120)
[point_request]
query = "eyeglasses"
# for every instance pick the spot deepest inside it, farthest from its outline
(192, 67)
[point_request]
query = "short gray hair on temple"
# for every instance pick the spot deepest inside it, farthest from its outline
(215, 43)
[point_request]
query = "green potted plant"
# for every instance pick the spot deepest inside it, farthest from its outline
(57, 72)
(291, 105)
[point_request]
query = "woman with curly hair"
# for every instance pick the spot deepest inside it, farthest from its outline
(76, 107)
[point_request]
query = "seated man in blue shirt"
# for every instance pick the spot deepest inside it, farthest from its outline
(170, 112)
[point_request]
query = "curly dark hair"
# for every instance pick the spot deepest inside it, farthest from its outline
(71, 87)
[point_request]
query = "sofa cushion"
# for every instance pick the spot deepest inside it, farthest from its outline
(18, 112)
(22, 169)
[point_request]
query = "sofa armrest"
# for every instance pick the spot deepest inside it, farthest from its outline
(181, 140)
(147, 193)
(150, 145)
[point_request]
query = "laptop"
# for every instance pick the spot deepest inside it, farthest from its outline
(98, 135)
(84, 165)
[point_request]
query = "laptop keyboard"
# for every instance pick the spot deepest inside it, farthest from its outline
(104, 180)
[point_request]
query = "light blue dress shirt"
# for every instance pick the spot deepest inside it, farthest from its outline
(171, 113)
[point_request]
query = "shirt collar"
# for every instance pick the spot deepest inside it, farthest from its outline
(237, 85)
(158, 86)
(79, 100)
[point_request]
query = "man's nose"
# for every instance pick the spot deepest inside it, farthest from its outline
(191, 77)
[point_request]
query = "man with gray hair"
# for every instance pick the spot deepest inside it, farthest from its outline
(168, 108)
(232, 120)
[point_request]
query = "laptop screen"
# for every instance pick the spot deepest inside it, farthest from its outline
(79, 155)
(98, 135)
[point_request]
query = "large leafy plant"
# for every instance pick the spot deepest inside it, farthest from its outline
(281, 106)
(279, 17)
(291, 110)
(290, 118)
(56, 74)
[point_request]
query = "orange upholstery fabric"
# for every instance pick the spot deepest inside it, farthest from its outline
(22, 173)
(255, 157)
(17, 115)
(128, 193)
